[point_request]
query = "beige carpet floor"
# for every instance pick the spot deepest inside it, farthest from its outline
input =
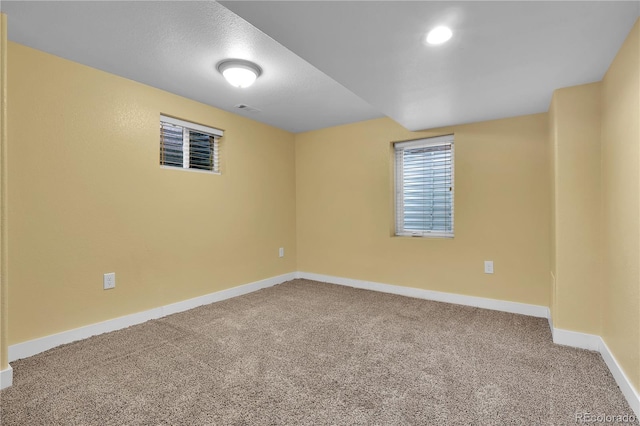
(308, 353)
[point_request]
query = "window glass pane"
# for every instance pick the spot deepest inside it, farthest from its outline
(424, 188)
(187, 148)
(200, 151)
(170, 145)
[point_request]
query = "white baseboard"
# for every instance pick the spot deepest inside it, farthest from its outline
(438, 296)
(629, 392)
(576, 339)
(6, 377)
(596, 343)
(560, 336)
(35, 346)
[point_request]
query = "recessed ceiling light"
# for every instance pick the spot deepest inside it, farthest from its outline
(439, 35)
(238, 72)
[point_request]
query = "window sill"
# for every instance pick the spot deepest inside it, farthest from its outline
(427, 236)
(206, 172)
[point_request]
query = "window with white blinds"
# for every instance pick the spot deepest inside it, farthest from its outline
(188, 145)
(424, 187)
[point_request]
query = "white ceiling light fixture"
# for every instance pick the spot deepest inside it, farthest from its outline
(239, 72)
(439, 35)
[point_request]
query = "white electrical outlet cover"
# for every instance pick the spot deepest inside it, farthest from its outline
(109, 281)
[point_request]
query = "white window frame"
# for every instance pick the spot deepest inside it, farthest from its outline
(398, 185)
(186, 127)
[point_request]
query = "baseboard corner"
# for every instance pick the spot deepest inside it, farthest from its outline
(6, 377)
(576, 339)
(626, 387)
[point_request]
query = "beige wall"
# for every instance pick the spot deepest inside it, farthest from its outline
(576, 208)
(87, 196)
(594, 135)
(344, 187)
(621, 206)
(555, 192)
(3, 173)
(553, 165)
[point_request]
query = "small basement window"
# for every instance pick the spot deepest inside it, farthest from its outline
(424, 187)
(188, 145)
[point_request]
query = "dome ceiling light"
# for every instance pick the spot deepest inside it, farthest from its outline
(239, 72)
(439, 35)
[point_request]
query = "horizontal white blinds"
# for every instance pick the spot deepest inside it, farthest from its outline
(424, 187)
(171, 151)
(188, 145)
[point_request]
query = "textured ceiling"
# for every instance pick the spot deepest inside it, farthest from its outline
(333, 62)
(175, 46)
(505, 58)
